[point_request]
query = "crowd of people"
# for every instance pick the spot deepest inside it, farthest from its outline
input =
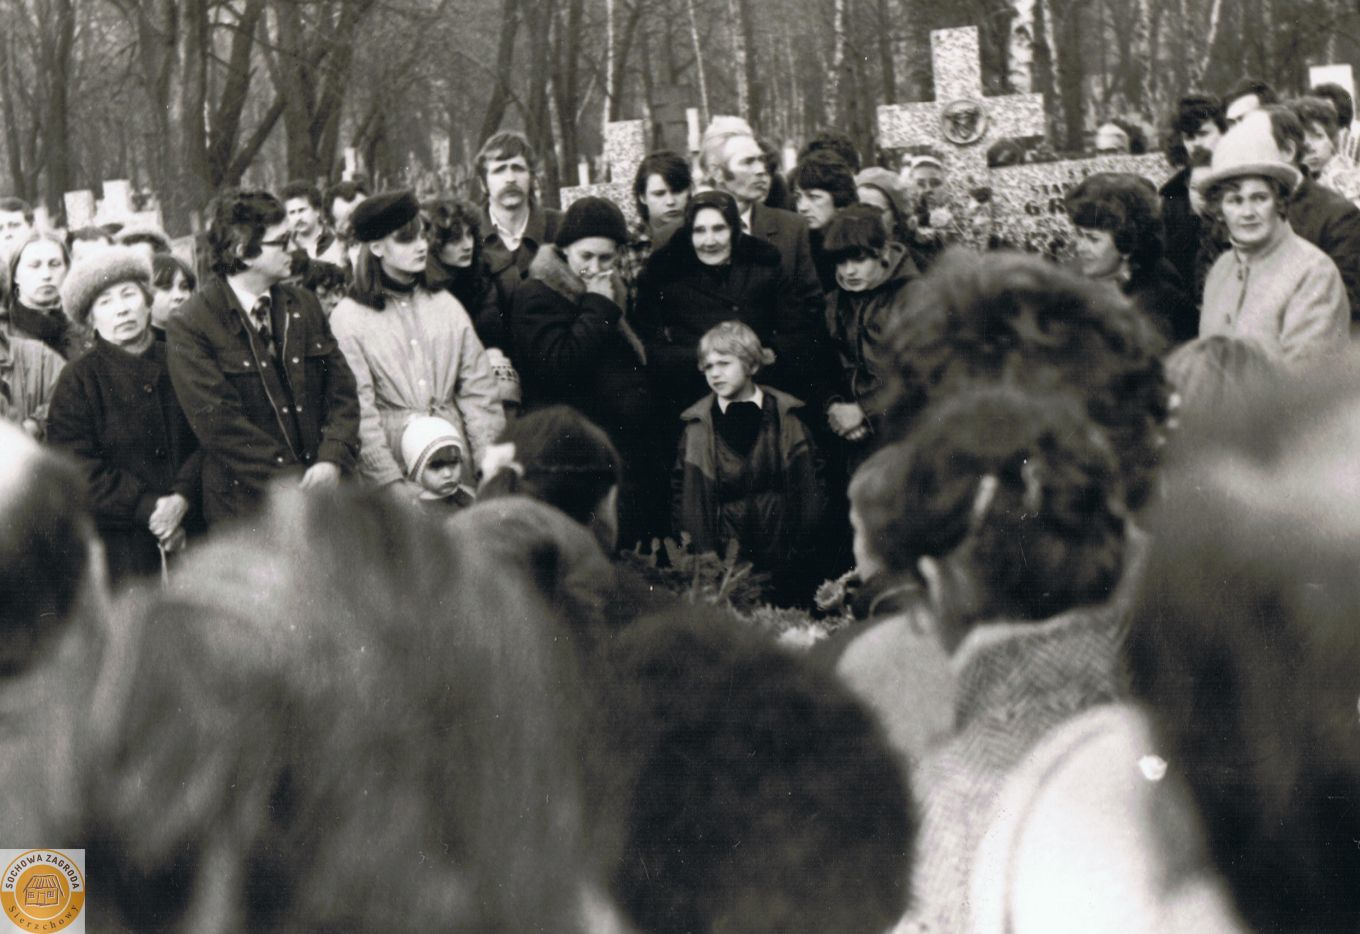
(311, 566)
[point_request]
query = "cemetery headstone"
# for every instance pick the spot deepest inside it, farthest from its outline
(1021, 205)
(625, 146)
(79, 208)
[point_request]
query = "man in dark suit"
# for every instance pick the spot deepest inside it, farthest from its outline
(733, 162)
(260, 377)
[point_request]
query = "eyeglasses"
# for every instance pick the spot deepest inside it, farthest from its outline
(281, 242)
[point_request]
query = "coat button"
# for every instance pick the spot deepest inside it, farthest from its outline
(285, 410)
(148, 389)
(297, 360)
(245, 363)
(160, 452)
(278, 460)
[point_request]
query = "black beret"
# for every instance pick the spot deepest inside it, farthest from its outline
(592, 217)
(383, 214)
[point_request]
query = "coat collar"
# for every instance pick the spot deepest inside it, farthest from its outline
(148, 363)
(550, 267)
(782, 402)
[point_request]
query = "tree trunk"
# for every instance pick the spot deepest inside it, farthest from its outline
(739, 62)
(698, 61)
(505, 57)
(58, 40)
(886, 63)
(833, 77)
(749, 63)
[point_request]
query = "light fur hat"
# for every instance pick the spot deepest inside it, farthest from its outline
(1249, 149)
(99, 269)
(423, 437)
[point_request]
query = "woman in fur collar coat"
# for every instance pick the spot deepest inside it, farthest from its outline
(574, 346)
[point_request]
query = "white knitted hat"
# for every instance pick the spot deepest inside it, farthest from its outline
(423, 436)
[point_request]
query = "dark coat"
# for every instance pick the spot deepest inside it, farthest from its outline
(253, 418)
(1181, 229)
(540, 229)
(680, 299)
(770, 502)
(487, 299)
(572, 347)
(857, 322)
(117, 417)
(1160, 295)
(790, 236)
(1332, 224)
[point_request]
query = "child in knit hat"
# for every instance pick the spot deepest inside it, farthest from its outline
(435, 455)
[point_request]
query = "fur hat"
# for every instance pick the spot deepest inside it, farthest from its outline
(592, 217)
(383, 214)
(1249, 149)
(96, 271)
(150, 234)
(423, 437)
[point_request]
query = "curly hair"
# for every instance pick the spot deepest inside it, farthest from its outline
(1019, 320)
(1124, 206)
(237, 221)
(1244, 648)
(1192, 112)
(1026, 480)
(759, 795)
(449, 218)
(1316, 110)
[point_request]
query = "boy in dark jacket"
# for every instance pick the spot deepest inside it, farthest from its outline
(747, 466)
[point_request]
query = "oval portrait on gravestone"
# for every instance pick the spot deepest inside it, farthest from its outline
(963, 122)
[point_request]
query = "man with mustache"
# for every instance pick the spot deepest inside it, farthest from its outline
(515, 224)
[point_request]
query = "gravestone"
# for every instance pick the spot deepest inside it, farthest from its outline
(625, 146)
(1027, 208)
(961, 123)
(79, 208)
(1021, 205)
(670, 126)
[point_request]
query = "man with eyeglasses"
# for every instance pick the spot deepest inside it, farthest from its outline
(260, 377)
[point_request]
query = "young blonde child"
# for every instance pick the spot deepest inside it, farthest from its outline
(747, 469)
(435, 455)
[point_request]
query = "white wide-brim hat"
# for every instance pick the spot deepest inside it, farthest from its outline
(1249, 149)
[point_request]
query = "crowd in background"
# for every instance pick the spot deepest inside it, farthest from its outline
(311, 550)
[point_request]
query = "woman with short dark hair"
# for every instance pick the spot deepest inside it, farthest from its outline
(1119, 240)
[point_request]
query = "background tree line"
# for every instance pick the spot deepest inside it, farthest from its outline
(185, 96)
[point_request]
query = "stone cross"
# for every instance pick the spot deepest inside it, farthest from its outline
(1027, 207)
(960, 124)
(625, 146)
